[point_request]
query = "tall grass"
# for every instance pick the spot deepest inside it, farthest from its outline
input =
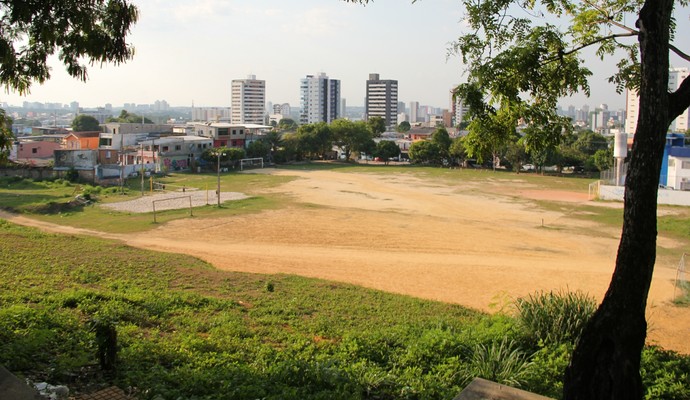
(555, 317)
(502, 362)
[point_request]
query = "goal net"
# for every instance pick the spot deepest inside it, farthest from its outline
(251, 163)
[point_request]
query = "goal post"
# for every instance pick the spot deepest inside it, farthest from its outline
(251, 162)
(153, 203)
(681, 283)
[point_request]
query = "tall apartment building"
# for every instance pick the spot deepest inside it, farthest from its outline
(458, 109)
(319, 99)
(282, 109)
(414, 111)
(382, 99)
(632, 104)
(248, 100)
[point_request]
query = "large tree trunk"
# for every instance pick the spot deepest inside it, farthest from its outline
(606, 361)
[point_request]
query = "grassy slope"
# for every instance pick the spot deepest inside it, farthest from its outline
(186, 329)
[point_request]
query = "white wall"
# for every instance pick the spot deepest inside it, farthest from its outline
(665, 196)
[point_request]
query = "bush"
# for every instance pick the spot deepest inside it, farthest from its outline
(501, 362)
(555, 318)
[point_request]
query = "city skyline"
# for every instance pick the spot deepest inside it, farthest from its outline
(190, 53)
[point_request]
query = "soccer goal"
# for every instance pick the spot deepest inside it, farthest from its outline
(251, 163)
(681, 289)
(172, 203)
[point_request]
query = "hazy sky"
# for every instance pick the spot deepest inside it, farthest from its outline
(189, 51)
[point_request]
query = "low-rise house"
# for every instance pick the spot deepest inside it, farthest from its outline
(82, 140)
(172, 153)
(222, 134)
(118, 135)
(84, 161)
(420, 133)
(37, 150)
(678, 176)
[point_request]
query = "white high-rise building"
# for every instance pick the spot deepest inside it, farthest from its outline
(632, 101)
(248, 101)
(319, 99)
(414, 110)
(382, 99)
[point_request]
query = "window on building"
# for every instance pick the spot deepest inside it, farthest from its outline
(34, 150)
(165, 148)
(107, 154)
(178, 147)
(686, 165)
(672, 163)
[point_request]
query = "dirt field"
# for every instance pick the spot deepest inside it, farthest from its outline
(480, 248)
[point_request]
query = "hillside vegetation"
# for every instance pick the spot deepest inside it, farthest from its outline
(185, 330)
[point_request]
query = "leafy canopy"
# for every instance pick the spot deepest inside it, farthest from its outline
(94, 31)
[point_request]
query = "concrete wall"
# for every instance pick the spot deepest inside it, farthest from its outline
(665, 196)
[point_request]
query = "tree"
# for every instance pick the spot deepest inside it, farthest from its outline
(127, 118)
(6, 136)
(404, 127)
(377, 125)
(85, 123)
(443, 141)
(258, 149)
(30, 32)
(529, 61)
(287, 125)
(387, 149)
(351, 137)
(313, 140)
(516, 155)
(425, 151)
(457, 151)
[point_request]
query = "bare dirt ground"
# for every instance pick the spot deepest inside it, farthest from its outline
(458, 244)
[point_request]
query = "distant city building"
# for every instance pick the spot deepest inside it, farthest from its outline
(248, 100)
(632, 101)
(459, 110)
(382, 99)
(101, 114)
(282, 109)
(401, 107)
(160, 105)
(414, 111)
(211, 114)
(74, 106)
(319, 99)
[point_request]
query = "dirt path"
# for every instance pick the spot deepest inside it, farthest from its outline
(404, 235)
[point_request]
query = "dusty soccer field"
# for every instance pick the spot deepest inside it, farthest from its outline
(398, 233)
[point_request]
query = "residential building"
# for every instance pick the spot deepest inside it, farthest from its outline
(319, 99)
(382, 99)
(82, 140)
(414, 111)
(248, 100)
(459, 110)
(679, 168)
(223, 134)
(282, 109)
(680, 124)
(119, 135)
(36, 150)
(211, 114)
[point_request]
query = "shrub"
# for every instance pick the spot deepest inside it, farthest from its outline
(502, 362)
(555, 318)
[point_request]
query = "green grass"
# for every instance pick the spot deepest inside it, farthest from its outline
(186, 330)
(52, 201)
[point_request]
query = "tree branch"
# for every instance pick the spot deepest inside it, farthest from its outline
(679, 101)
(610, 19)
(599, 40)
(679, 52)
